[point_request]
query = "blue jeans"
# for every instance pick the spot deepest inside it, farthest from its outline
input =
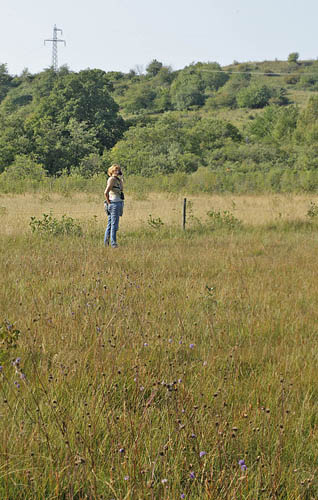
(115, 210)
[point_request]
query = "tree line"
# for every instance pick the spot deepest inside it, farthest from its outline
(160, 121)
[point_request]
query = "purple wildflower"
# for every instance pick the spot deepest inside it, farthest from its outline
(145, 344)
(126, 478)
(202, 453)
(182, 495)
(192, 475)
(17, 384)
(191, 346)
(180, 342)
(1, 368)
(122, 450)
(242, 465)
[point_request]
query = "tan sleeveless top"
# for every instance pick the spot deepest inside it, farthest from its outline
(117, 189)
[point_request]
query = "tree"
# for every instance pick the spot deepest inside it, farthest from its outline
(226, 96)
(209, 134)
(154, 67)
(162, 101)
(162, 147)
(255, 96)
(138, 97)
(172, 144)
(17, 97)
(14, 137)
(24, 167)
(43, 83)
(187, 90)
(275, 124)
(5, 81)
(293, 57)
(307, 125)
(211, 75)
(84, 96)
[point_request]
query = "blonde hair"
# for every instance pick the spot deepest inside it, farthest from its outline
(112, 169)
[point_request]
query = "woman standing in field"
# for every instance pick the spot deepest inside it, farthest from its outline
(114, 203)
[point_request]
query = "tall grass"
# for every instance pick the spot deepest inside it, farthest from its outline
(247, 180)
(150, 371)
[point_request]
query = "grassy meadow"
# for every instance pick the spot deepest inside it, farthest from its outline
(154, 370)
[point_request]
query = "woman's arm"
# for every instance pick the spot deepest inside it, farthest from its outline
(109, 186)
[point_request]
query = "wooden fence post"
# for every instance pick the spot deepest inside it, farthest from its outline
(184, 213)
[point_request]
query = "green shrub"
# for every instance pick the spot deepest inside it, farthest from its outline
(312, 211)
(50, 225)
(154, 223)
(293, 57)
(24, 174)
(255, 96)
(223, 219)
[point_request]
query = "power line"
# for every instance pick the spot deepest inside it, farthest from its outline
(55, 41)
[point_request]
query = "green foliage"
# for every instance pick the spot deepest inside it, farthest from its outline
(69, 123)
(85, 97)
(275, 123)
(211, 75)
(226, 96)
(139, 97)
(52, 226)
(307, 126)
(92, 164)
(59, 119)
(293, 57)
(17, 97)
(154, 67)
(171, 144)
(154, 223)
(209, 134)
(312, 211)
(255, 96)
(5, 81)
(279, 96)
(225, 219)
(187, 90)
(24, 167)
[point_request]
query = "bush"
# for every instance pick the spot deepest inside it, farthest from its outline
(24, 174)
(312, 211)
(293, 57)
(24, 167)
(223, 219)
(254, 96)
(50, 225)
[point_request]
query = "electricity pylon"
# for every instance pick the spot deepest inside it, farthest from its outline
(55, 41)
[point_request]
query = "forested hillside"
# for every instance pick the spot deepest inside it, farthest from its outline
(246, 119)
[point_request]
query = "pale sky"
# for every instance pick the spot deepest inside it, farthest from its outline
(118, 35)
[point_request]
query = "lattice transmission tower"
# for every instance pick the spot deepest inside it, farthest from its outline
(55, 41)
